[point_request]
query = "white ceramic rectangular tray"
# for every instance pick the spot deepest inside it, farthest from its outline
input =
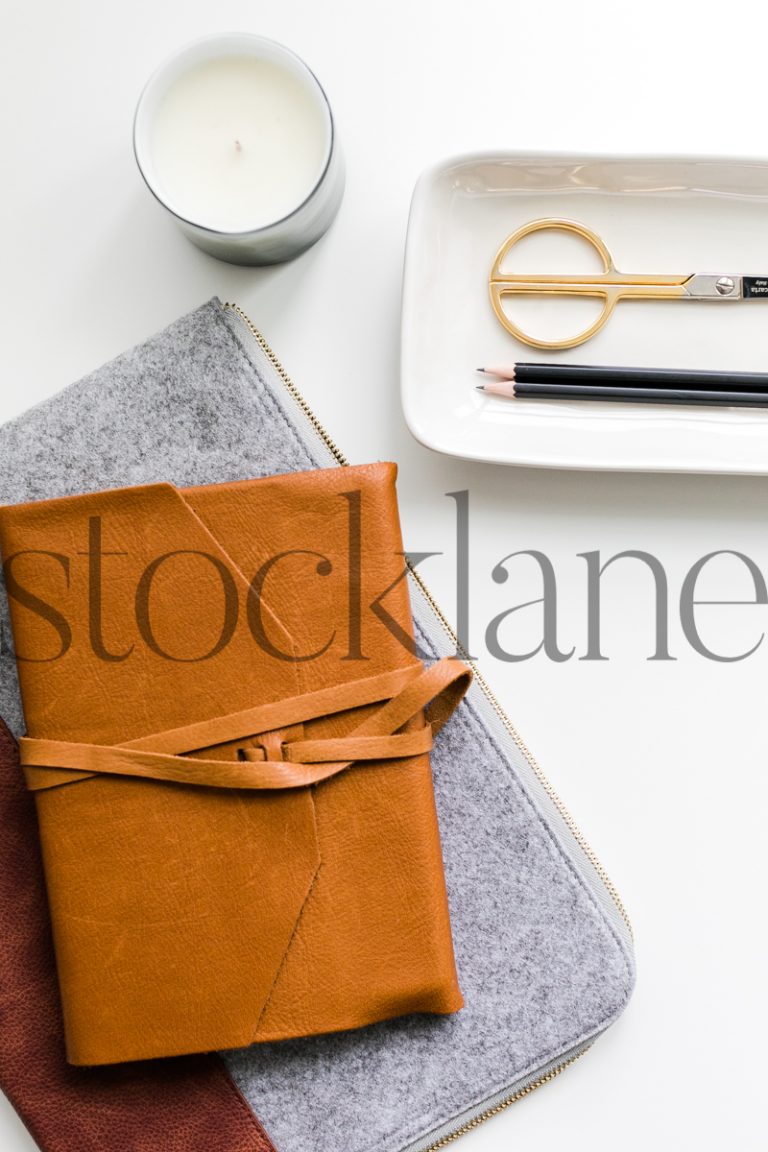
(675, 215)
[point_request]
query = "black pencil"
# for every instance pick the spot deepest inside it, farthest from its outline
(607, 376)
(626, 395)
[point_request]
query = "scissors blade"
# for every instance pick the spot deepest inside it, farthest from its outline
(716, 286)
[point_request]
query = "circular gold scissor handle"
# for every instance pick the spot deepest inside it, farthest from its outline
(605, 285)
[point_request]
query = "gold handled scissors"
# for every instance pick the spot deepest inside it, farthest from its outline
(610, 285)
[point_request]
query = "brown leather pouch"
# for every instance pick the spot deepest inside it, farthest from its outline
(229, 752)
(188, 1104)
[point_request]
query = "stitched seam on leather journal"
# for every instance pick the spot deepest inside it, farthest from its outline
(294, 933)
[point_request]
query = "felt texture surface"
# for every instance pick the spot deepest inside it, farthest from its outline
(543, 962)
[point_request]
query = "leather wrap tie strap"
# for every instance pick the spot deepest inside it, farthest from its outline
(402, 694)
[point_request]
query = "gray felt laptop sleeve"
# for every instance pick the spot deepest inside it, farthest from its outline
(543, 949)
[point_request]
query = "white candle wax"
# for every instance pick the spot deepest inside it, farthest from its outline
(235, 138)
(238, 143)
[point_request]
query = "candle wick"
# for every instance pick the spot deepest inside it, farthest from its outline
(238, 146)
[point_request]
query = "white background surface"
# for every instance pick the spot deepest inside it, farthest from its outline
(662, 764)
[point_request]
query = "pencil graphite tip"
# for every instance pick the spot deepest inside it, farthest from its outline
(497, 388)
(502, 371)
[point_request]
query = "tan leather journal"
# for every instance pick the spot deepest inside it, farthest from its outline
(229, 749)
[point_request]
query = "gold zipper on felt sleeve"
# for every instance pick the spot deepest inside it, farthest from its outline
(338, 456)
(519, 1095)
(564, 813)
